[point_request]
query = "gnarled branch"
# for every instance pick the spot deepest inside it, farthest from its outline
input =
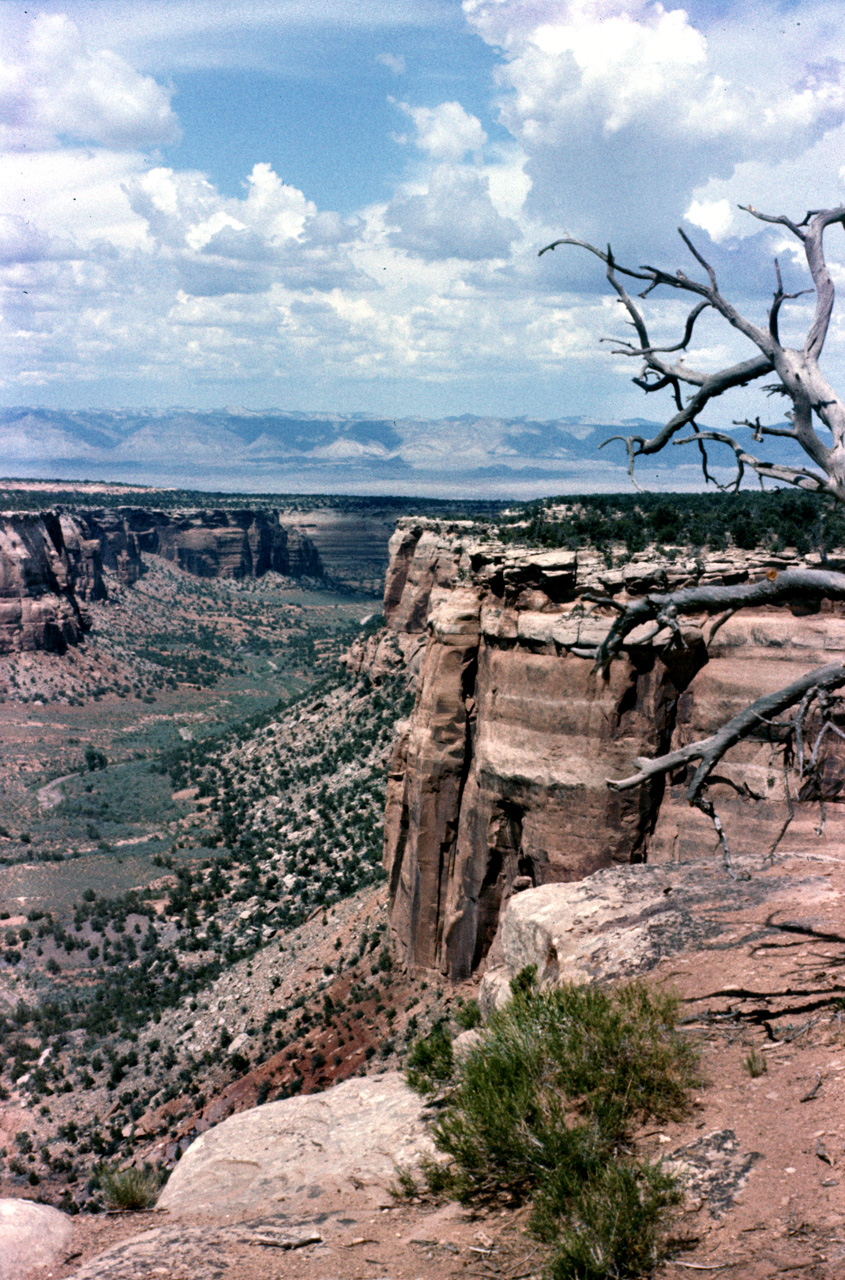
(790, 586)
(800, 377)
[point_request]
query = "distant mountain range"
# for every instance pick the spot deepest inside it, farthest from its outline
(299, 452)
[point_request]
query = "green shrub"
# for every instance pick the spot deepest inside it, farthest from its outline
(545, 1109)
(611, 1223)
(468, 1015)
(129, 1189)
(430, 1062)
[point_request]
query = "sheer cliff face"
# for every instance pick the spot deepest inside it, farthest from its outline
(224, 544)
(499, 778)
(39, 607)
(50, 564)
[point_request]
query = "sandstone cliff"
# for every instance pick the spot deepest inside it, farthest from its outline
(224, 544)
(51, 562)
(352, 545)
(499, 778)
(39, 606)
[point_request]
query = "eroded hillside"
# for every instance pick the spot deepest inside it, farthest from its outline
(193, 838)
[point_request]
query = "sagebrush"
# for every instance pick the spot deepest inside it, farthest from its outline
(545, 1109)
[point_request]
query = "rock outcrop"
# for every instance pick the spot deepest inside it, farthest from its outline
(224, 543)
(51, 563)
(39, 606)
(31, 1235)
(352, 545)
(499, 778)
(117, 543)
(621, 921)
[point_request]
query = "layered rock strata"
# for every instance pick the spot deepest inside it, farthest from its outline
(39, 606)
(51, 563)
(224, 544)
(499, 779)
(352, 545)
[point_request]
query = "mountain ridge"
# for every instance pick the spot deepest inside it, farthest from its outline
(520, 456)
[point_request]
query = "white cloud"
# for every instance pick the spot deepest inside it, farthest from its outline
(623, 108)
(394, 62)
(446, 132)
(623, 117)
(453, 218)
(714, 216)
(21, 241)
(52, 87)
(208, 33)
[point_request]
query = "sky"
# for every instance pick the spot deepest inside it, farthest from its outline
(338, 206)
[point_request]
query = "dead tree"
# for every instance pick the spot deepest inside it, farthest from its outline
(815, 423)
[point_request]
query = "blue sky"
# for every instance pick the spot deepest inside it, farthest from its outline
(338, 206)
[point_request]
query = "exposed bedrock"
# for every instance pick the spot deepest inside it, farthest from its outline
(102, 536)
(498, 780)
(224, 544)
(352, 545)
(51, 563)
(39, 607)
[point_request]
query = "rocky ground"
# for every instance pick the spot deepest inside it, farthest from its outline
(763, 993)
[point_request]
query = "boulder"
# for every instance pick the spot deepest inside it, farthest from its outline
(619, 922)
(300, 1154)
(31, 1235)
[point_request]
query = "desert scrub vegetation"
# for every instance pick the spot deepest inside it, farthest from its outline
(545, 1109)
(129, 1189)
(774, 519)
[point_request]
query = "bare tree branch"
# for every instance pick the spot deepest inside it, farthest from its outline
(797, 368)
(791, 586)
(817, 429)
(709, 751)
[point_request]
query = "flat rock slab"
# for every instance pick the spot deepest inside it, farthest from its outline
(303, 1154)
(181, 1252)
(715, 1168)
(619, 922)
(31, 1235)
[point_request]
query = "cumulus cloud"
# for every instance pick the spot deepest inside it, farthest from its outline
(453, 218)
(218, 245)
(22, 241)
(52, 88)
(624, 107)
(622, 117)
(446, 132)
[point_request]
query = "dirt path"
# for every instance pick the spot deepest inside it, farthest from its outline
(51, 795)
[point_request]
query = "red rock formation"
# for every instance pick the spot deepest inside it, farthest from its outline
(224, 544)
(117, 544)
(500, 776)
(39, 608)
(50, 562)
(352, 545)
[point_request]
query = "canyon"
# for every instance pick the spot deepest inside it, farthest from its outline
(51, 562)
(503, 846)
(499, 780)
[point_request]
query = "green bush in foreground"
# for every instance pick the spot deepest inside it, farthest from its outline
(545, 1109)
(430, 1062)
(129, 1188)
